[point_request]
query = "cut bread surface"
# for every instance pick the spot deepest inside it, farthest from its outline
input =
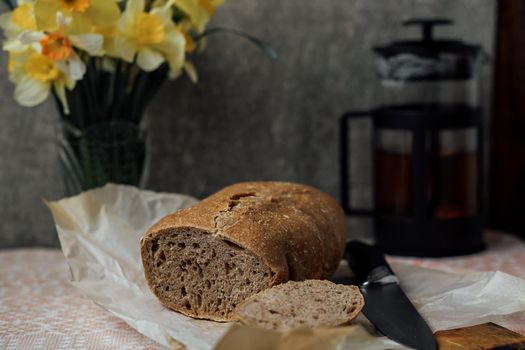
(305, 304)
(205, 260)
(202, 275)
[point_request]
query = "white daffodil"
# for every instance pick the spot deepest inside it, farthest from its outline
(13, 23)
(58, 45)
(85, 14)
(35, 75)
(49, 61)
(151, 37)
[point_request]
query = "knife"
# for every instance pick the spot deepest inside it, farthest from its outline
(386, 305)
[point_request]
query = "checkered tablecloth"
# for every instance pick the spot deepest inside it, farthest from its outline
(39, 309)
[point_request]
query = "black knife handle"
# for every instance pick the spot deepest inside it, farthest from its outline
(363, 259)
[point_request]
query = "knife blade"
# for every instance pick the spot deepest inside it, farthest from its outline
(386, 305)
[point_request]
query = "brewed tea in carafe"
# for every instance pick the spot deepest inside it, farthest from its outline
(451, 163)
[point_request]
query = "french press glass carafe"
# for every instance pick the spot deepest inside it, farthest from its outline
(427, 137)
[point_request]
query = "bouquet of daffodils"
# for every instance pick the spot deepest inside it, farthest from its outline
(53, 43)
(103, 61)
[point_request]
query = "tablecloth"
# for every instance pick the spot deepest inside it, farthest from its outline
(39, 309)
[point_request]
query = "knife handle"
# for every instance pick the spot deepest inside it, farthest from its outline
(364, 259)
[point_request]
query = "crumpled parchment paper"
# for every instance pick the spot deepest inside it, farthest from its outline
(100, 230)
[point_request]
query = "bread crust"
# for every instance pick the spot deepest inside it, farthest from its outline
(298, 231)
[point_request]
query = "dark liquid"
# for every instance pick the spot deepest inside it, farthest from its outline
(393, 183)
(451, 184)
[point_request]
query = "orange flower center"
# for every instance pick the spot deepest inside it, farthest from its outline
(75, 5)
(56, 46)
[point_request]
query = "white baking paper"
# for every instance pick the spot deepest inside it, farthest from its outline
(99, 231)
(450, 301)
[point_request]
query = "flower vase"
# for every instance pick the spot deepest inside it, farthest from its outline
(102, 136)
(108, 151)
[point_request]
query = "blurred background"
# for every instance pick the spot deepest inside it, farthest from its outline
(249, 117)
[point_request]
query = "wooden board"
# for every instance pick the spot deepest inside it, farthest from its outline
(480, 337)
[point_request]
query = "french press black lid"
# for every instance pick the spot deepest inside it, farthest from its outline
(429, 57)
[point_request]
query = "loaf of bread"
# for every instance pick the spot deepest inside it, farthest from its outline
(205, 260)
(306, 304)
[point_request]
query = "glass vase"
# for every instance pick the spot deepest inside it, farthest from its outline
(113, 151)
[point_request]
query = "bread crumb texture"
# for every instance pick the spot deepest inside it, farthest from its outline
(306, 304)
(205, 260)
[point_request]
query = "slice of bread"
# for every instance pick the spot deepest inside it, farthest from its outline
(305, 304)
(205, 260)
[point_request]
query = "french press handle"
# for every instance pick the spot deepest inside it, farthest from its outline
(344, 153)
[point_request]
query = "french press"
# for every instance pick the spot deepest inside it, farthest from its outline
(427, 147)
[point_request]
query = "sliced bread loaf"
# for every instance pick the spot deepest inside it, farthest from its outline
(309, 304)
(205, 260)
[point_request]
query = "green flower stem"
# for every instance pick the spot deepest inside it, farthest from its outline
(89, 157)
(114, 100)
(85, 160)
(11, 4)
(265, 47)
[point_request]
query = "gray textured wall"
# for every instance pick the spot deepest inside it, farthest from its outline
(249, 117)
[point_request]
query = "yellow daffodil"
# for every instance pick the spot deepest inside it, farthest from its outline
(190, 46)
(108, 33)
(184, 28)
(151, 37)
(57, 46)
(85, 14)
(13, 23)
(198, 11)
(35, 75)
(49, 40)
(23, 16)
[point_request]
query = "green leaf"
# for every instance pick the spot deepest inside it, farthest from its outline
(265, 47)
